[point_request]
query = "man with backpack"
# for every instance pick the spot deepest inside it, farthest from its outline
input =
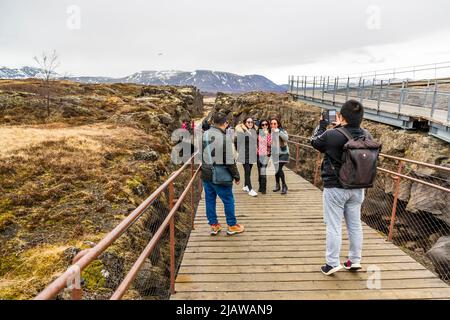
(348, 167)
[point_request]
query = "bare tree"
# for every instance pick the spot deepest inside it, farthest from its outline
(48, 62)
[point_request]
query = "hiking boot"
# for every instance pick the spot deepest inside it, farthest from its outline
(277, 188)
(252, 193)
(215, 229)
(352, 266)
(329, 270)
(284, 189)
(246, 189)
(235, 229)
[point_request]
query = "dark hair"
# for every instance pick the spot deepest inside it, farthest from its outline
(219, 118)
(260, 125)
(352, 111)
(245, 121)
(280, 126)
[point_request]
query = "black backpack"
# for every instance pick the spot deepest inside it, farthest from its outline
(359, 161)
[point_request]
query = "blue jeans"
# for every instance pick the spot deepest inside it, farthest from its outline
(339, 204)
(225, 194)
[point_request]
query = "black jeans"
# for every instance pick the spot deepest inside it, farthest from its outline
(262, 174)
(248, 172)
(280, 174)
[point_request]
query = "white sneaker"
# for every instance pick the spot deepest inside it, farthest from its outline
(246, 189)
(252, 193)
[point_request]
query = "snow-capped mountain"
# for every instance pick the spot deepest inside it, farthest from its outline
(205, 80)
(22, 73)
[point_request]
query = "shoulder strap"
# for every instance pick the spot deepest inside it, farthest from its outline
(345, 132)
(208, 149)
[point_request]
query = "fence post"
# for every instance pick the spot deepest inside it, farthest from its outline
(401, 97)
(448, 109)
(323, 89)
(316, 170)
(361, 97)
(348, 89)
(306, 78)
(379, 96)
(334, 91)
(394, 204)
(433, 104)
(314, 87)
(172, 240)
(297, 153)
(297, 85)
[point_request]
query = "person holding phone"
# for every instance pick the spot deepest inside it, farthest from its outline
(279, 153)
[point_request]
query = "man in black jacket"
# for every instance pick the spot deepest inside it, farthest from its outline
(338, 202)
(218, 150)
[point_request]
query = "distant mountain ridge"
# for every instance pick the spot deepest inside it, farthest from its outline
(205, 80)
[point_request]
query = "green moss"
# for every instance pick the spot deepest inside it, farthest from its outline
(6, 219)
(134, 182)
(92, 275)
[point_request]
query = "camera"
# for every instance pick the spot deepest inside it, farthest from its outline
(329, 116)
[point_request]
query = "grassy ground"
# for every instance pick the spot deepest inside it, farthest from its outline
(68, 179)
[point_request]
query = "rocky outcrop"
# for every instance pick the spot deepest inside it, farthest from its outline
(440, 255)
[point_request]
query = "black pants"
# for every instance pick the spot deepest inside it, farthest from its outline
(280, 174)
(262, 175)
(248, 172)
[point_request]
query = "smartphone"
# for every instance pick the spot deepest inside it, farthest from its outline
(329, 115)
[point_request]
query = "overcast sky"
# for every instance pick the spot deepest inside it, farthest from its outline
(274, 38)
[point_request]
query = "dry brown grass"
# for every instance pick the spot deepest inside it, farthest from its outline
(74, 176)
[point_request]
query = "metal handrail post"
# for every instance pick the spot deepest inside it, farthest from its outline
(394, 204)
(314, 87)
(348, 89)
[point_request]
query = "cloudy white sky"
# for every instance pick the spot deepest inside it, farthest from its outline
(274, 38)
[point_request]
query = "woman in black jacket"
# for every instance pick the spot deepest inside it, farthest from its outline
(245, 142)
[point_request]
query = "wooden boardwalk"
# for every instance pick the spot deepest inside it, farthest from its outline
(282, 249)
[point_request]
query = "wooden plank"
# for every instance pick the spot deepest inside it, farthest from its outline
(192, 261)
(271, 248)
(301, 276)
(405, 266)
(284, 254)
(306, 285)
(337, 294)
(220, 243)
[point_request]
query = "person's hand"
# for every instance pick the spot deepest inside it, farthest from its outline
(334, 124)
(237, 182)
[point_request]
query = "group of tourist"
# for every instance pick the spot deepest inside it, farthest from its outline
(267, 143)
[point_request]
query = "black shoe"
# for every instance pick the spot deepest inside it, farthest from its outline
(277, 188)
(352, 266)
(329, 270)
(263, 191)
(284, 189)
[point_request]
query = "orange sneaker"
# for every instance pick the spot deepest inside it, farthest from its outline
(238, 228)
(215, 229)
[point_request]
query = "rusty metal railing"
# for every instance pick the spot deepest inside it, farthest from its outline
(71, 278)
(406, 203)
